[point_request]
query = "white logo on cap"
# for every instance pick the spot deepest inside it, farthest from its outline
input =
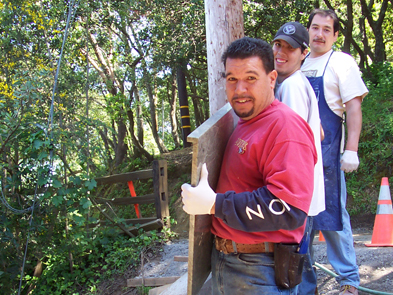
(289, 29)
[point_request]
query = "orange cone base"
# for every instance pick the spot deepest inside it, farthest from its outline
(383, 231)
(321, 237)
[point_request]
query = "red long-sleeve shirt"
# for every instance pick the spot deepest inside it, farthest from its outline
(266, 179)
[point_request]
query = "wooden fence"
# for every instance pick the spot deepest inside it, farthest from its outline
(158, 196)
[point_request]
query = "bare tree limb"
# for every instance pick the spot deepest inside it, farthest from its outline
(119, 225)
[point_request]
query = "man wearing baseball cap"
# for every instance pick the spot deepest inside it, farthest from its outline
(290, 47)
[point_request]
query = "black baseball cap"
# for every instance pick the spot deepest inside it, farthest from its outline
(294, 33)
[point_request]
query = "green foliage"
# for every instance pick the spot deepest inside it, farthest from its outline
(262, 18)
(94, 258)
(184, 178)
(168, 234)
(143, 290)
(376, 141)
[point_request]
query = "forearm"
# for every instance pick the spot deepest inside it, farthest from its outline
(354, 123)
(257, 211)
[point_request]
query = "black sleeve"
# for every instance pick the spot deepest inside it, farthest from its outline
(257, 211)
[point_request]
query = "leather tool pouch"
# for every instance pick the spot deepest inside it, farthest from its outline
(288, 265)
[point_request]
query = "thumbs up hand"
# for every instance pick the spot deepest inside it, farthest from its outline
(200, 199)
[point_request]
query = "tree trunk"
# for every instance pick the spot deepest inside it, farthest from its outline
(366, 47)
(153, 114)
(224, 24)
(172, 104)
(196, 101)
(376, 26)
(348, 34)
(183, 101)
(139, 118)
(348, 28)
(121, 147)
(104, 67)
(104, 137)
(137, 144)
(134, 96)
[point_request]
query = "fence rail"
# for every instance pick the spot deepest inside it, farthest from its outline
(159, 196)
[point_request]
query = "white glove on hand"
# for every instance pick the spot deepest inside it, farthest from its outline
(349, 161)
(200, 199)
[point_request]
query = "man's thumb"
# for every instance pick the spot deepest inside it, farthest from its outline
(204, 173)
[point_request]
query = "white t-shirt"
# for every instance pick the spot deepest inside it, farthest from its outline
(342, 80)
(297, 93)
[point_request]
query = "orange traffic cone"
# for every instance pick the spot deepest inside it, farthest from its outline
(321, 237)
(383, 225)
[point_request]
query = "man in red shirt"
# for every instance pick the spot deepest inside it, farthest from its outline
(266, 180)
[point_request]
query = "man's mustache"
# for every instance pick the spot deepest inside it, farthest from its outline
(242, 96)
(318, 40)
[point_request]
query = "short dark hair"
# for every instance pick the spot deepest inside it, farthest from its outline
(325, 13)
(249, 47)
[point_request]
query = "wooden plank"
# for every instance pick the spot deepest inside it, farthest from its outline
(148, 226)
(209, 141)
(151, 282)
(160, 181)
(146, 199)
(143, 174)
(132, 221)
(180, 258)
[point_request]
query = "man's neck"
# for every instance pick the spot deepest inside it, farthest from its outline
(314, 54)
(281, 78)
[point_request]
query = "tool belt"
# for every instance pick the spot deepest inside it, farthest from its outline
(228, 246)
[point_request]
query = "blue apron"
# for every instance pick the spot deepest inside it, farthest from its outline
(330, 219)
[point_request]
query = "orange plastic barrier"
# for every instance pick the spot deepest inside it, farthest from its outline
(383, 225)
(133, 194)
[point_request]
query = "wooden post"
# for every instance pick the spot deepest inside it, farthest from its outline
(224, 24)
(208, 145)
(160, 180)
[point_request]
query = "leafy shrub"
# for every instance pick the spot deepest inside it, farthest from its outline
(94, 259)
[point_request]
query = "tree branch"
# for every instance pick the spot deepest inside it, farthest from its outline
(110, 219)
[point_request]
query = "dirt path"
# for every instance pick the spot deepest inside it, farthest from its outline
(375, 266)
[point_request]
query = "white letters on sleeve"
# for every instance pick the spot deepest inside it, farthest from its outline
(259, 213)
(285, 206)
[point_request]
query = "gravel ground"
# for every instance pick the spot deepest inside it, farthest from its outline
(375, 266)
(164, 265)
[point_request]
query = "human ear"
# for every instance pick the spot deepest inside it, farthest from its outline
(273, 77)
(304, 53)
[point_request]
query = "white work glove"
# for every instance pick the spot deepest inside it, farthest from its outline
(349, 161)
(200, 199)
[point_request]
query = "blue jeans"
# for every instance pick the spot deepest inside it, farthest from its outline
(245, 274)
(340, 252)
(309, 276)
